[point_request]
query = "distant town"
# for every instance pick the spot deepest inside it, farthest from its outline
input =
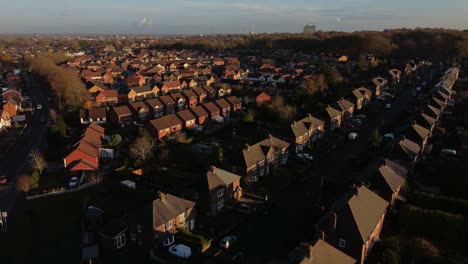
(316, 147)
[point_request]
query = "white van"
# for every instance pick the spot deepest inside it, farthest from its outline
(180, 250)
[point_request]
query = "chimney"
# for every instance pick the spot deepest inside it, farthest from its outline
(383, 162)
(402, 137)
(322, 235)
(309, 115)
(162, 196)
(247, 147)
(270, 136)
(413, 122)
(212, 168)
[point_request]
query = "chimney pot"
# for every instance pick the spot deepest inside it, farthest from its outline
(162, 196)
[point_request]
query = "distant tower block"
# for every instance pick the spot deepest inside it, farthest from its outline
(309, 29)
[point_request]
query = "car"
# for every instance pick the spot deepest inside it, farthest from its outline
(385, 94)
(361, 116)
(227, 241)
(356, 121)
(39, 107)
(446, 152)
(73, 183)
(424, 84)
(3, 179)
(305, 156)
(388, 106)
(180, 250)
(418, 89)
(352, 136)
(380, 98)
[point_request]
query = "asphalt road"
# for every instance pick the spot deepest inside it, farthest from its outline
(33, 137)
(292, 221)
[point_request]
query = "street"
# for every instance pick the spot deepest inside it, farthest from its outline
(33, 137)
(292, 222)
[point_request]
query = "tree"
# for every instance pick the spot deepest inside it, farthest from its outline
(163, 153)
(58, 128)
(375, 138)
(35, 177)
(250, 116)
(23, 183)
(141, 149)
(38, 162)
(115, 140)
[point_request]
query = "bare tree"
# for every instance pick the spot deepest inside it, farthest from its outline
(38, 161)
(141, 149)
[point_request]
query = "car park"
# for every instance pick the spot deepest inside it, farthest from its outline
(180, 250)
(227, 241)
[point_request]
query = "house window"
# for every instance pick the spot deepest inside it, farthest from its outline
(133, 236)
(342, 243)
(254, 177)
(120, 241)
(139, 228)
(220, 203)
(168, 225)
(220, 192)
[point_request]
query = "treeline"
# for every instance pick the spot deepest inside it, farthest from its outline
(401, 43)
(68, 89)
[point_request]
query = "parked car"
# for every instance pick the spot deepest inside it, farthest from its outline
(361, 117)
(446, 152)
(352, 136)
(388, 106)
(180, 250)
(73, 183)
(3, 179)
(380, 98)
(227, 241)
(356, 121)
(39, 107)
(305, 156)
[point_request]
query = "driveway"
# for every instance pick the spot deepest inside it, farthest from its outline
(33, 137)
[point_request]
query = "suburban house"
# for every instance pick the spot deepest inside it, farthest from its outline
(95, 87)
(378, 85)
(93, 115)
(318, 253)
(188, 119)
(121, 115)
(140, 93)
(5, 119)
(190, 97)
(346, 107)
(212, 109)
(235, 103)
(169, 104)
(395, 75)
(261, 97)
(224, 106)
(200, 114)
(170, 87)
(261, 157)
(386, 179)
(169, 213)
(418, 134)
(306, 131)
(163, 126)
(11, 107)
(222, 187)
(113, 236)
(106, 97)
(201, 94)
(405, 152)
(85, 155)
(354, 224)
(156, 107)
(179, 100)
(11, 95)
(210, 92)
(140, 110)
(362, 97)
(334, 118)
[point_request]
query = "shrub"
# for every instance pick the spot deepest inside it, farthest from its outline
(439, 202)
(184, 235)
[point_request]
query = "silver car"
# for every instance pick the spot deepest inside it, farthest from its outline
(227, 241)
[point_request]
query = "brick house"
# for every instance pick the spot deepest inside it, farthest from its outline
(210, 93)
(169, 104)
(224, 106)
(179, 100)
(140, 111)
(261, 98)
(106, 97)
(201, 94)
(212, 110)
(261, 157)
(85, 155)
(378, 84)
(334, 118)
(170, 87)
(354, 224)
(222, 188)
(140, 93)
(156, 107)
(121, 115)
(200, 114)
(346, 107)
(306, 131)
(187, 118)
(164, 126)
(190, 97)
(93, 115)
(319, 253)
(362, 96)
(236, 105)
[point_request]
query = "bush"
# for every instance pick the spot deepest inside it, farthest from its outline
(185, 236)
(439, 202)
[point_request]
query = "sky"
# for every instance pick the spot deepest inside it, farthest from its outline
(224, 16)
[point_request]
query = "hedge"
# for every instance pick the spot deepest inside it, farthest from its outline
(185, 236)
(448, 229)
(439, 202)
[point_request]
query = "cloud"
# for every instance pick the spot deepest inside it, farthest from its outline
(145, 22)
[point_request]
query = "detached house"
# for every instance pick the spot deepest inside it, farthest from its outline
(395, 75)
(170, 87)
(85, 155)
(179, 100)
(307, 131)
(140, 110)
(212, 109)
(319, 253)
(235, 103)
(169, 104)
(224, 106)
(347, 109)
(200, 114)
(201, 95)
(93, 115)
(156, 107)
(188, 119)
(378, 85)
(191, 98)
(121, 115)
(362, 97)
(210, 92)
(140, 93)
(354, 224)
(334, 118)
(164, 126)
(106, 97)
